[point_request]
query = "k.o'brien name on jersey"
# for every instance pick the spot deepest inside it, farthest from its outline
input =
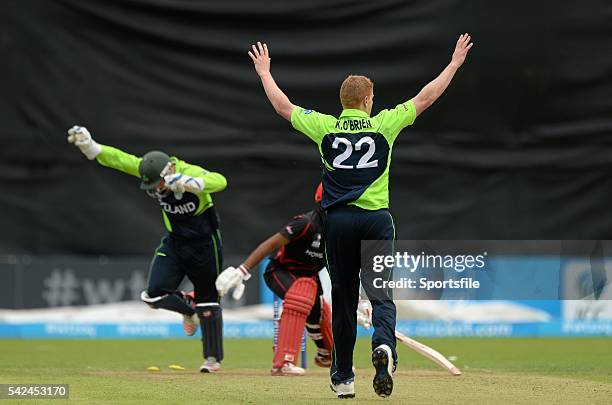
(353, 125)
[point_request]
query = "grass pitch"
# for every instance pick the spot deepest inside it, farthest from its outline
(500, 371)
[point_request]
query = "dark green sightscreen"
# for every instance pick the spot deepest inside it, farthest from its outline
(520, 146)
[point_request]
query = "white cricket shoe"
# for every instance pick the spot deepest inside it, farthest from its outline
(382, 360)
(211, 365)
(190, 324)
(345, 389)
(288, 369)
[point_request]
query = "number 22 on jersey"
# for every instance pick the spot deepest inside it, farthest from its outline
(365, 144)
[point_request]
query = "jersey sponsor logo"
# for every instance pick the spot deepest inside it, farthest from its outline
(353, 125)
(317, 242)
(289, 230)
(307, 112)
(317, 255)
(186, 208)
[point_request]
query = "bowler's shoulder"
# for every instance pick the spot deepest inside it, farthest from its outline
(402, 114)
(311, 114)
(381, 115)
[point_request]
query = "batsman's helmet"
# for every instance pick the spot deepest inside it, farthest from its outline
(150, 168)
(318, 197)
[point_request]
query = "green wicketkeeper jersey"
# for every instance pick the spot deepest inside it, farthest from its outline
(182, 216)
(356, 152)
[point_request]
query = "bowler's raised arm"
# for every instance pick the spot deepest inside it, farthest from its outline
(432, 91)
(261, 60)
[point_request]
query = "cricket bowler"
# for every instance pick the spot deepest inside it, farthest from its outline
(292, 274)
(356, 153)
(192, 246)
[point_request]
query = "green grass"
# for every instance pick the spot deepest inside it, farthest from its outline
(500, 371)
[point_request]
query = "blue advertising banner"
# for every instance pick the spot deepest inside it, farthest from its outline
(264, 329)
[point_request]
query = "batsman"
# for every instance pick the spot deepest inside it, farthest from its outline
(192, 246)
(293, 275)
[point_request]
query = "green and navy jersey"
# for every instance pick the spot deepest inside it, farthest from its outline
(356, 152)
(190, 215)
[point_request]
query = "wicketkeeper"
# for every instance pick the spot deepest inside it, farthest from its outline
(192, 246)
(293, 275)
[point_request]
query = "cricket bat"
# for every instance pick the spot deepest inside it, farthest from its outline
(428, 352)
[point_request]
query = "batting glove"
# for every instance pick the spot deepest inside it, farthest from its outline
(179, 183)
(364, 313)
(232, 278)
(238, 291)
(82, 139)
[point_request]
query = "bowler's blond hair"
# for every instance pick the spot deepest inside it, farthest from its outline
(354, 88)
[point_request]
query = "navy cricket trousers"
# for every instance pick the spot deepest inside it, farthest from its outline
(345, 228)
(200, 260)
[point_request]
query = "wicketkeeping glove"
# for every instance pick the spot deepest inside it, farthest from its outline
(364, 313)
(81, 138)
(179, 183)
(232, 278)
